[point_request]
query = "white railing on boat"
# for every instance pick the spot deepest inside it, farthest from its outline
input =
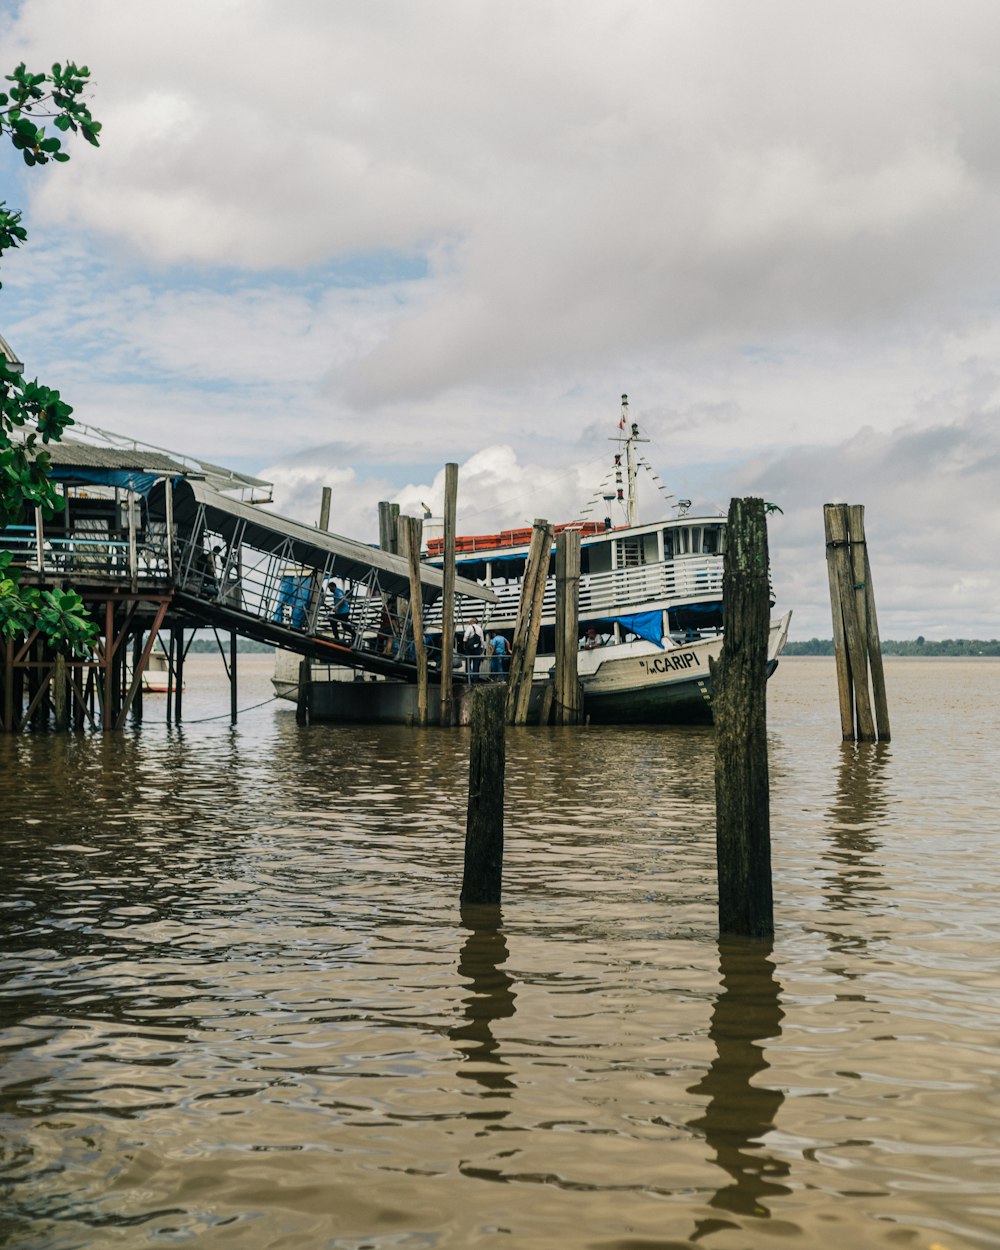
(683, 580)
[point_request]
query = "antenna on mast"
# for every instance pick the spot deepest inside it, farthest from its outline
(630, 439)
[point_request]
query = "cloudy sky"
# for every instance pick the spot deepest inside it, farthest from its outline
(344, 241)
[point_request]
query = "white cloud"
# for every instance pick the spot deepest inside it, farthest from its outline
(416, 232)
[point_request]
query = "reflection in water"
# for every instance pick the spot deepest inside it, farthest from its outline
(860, 806)
(483, 954)
(739, 1112)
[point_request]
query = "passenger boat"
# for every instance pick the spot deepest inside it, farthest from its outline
(651, 612)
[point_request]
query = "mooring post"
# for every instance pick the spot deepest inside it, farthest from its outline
(179, 690)
(414, 537)
(302, 701)
(481, 882)
(324, 508)
(567, 691)
(739, 682)
(862, 571)
(448, 595)
(850, 633)
(233, 691)
(529, 622)
(59, 705)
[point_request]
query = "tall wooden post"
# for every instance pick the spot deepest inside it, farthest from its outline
(850, 630)
(482, 879)
(59, 705)
(388, 524)
(448, 595)
(324, 508)
(414, 536)
(739, 682)
(862, 571)
(107, 706)
(233, 688)
(179, 670)
(567, 691)
(302, 701)
(529, 622)
(8, 687)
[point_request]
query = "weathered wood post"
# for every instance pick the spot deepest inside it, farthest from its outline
(179, 689)
(739, 682)
(60, 708)
(567, 691)
(414, 538)
(481, 882)
(448, 595)
(529, 622)
(862, 570)
(302, 694)
(233, 687)
(324, 508)
(855, 626)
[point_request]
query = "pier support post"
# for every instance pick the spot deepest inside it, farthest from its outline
(567, 691)
(302, 702)
(60, 709)
(179, 689)
(414, 537)
(483, 875)
(233, 690)
(739, 682)
(529, 622)
(448, 596)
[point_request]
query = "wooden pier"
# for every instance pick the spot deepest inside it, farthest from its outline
(158, 547)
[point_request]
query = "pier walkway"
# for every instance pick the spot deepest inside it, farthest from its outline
(154, 542)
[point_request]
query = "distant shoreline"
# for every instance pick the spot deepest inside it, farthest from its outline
(919, 648)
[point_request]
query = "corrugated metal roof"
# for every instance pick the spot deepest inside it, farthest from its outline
(71, 454)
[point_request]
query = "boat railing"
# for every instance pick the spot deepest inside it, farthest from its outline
(683, 579)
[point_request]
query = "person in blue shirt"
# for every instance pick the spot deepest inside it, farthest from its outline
(499, 654)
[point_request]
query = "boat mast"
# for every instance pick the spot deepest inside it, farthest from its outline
(631, 438)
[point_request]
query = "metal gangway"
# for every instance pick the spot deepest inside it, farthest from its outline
(238, 567)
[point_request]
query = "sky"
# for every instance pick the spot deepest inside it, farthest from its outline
(342, 242)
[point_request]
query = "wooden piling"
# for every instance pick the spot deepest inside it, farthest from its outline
(233, 689)
(179, 689)
(482, 879)
(567, 682)
(414, 536)
(302, 699)
(324, 508)
(855, 626)
(862, 568)
(739, 682)
(448, 596)
(60, 710)
(529, 622)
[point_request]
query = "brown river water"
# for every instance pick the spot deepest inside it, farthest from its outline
(239, 1006)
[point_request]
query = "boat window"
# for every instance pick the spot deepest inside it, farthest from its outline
(630, 553)
(710, 541)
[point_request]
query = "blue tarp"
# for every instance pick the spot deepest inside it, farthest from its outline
(647, 625)
(141, 483)
(293, 601)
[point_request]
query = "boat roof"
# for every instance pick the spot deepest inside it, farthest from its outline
(480, 546)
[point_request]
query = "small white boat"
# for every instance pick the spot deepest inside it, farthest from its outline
(156, 674)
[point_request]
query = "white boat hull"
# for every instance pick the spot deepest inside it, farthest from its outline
(639, 682)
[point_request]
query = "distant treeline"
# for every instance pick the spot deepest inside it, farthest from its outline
(242, 644)
(919, 646)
